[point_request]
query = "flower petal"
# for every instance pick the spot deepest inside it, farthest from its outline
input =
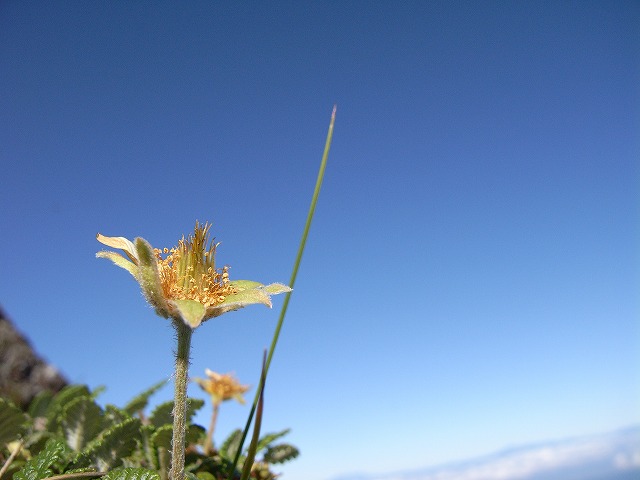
(121, 243)
(120, 261)
(248, 293)
(276, 288)
(239, 300)
(241, 285)
(191, 312)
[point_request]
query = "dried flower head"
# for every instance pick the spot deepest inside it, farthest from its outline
(185, 284)
(221, 387)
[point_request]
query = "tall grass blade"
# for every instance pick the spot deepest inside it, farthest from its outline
(253, 446)
(294, 274)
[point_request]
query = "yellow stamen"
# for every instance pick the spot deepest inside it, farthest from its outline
(188, 271)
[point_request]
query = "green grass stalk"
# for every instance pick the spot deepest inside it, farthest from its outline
(294, 274)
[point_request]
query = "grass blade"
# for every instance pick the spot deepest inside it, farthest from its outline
(253, 446)
(294, 274)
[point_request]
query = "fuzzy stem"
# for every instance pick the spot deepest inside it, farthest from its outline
(180, 400)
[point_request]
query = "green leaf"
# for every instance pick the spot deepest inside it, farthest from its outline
(281, 453)
(276, 288)
(38, 467)
(141, 401)
(205, 476)
(40, 404)
(112, 446)
(248, 297)
(60, 400)
(131, 474)
(230, 446)
(191, 311)
(241, 285)
(193, 405)
(270, 438)
(113, 415)
(12, 422)
(99, 390)
(196, 434)
(161, 438)
(162, 414)
(71, 392)
(81, 422)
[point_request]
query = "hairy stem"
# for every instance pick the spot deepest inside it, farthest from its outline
(180, 400)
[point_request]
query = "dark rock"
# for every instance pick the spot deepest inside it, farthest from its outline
(23, 373)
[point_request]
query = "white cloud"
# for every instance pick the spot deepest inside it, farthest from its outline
(627, 460)
(620, 450)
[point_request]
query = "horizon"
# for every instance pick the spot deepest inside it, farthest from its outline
(543, 460)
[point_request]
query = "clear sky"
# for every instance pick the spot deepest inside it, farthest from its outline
(471, 277)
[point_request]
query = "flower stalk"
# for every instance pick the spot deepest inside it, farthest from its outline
(183, 332)
(208, 443)
(184, 285)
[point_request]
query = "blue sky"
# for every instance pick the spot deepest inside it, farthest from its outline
(471, 276)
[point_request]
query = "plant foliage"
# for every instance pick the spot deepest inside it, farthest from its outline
(71, 433)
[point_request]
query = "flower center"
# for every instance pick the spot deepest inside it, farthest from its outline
(188, 272)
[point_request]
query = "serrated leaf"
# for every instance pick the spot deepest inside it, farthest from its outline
(141, 401)
(69, 393)
(12, 422)
(37, 441)
(38, 467)
(230, 446)
(280, 453)
(163, 413)
(269, 438)
(81, 422)
(113, 415)
(196, 434)
(146, 431)
(60, 400)
(193, 405)
(161, 438)
(40, 404)
(108, 450)
(131, 474)
(99, 390)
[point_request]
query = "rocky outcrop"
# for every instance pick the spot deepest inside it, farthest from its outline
(23, 373)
